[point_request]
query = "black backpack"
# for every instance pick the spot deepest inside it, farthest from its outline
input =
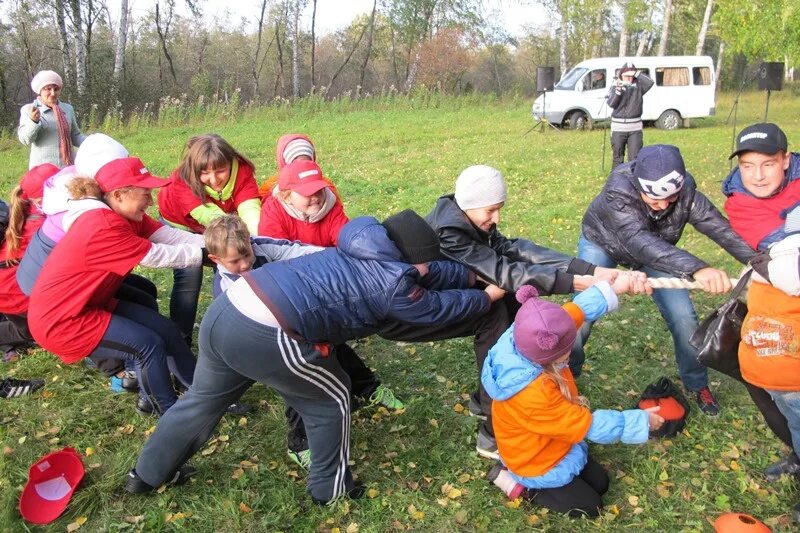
(674, 407)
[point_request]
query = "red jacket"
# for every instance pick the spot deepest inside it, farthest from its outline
(12, 300)
(277, 223)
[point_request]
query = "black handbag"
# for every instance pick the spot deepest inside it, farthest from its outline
(717, 337)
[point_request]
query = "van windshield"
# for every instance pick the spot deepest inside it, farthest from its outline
(567, 83)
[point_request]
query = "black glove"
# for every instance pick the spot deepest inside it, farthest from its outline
(760, 263)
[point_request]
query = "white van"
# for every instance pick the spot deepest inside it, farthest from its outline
(684, 88)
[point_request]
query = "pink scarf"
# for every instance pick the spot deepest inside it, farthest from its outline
(64, 138)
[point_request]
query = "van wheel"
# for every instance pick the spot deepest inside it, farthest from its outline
(578, 121)
(669, 120)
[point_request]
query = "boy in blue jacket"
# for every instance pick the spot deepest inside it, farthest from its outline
(276, 325)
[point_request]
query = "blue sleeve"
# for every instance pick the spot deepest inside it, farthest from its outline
(596, 301)
(413, 304)
(444, 275)
(609, 426)
(216, 289)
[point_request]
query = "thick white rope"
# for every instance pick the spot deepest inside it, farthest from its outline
(677, 283)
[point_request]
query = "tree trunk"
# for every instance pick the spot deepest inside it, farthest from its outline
(122, 40)
(562, 46)
(313, 46)
(623, 32)
(347, 59)
(598, 27)
(162, 37)
(255, 71)
(369, 43)
(719, 64)
(701, 37)
(662, 44)
(279, 76)
(644, 38)
(62, 32)
(296, 50)
(80, 47)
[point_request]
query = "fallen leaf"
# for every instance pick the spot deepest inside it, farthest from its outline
(533, 519)
(76, 524)
(463, 478)
(7, 450)
(373, 493)
(89, 451)
(161, 489)
(514, 504)
(454, 493)
(458, 408)
(242, 422)
(461, 517)
(134, 519)
(352, 528)
(633, 500)
(433, 422)
(243, 507)
(22, 439)
(415, 514)
(239, 472)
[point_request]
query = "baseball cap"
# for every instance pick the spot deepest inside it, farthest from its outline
(126, 172)
(303, 177)
(32, 183)
(765, 138)
(659, 171)
(51, 482)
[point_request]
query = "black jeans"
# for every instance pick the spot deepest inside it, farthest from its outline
(619, 139)
(580, 497)
(14, 333)
(486, 329)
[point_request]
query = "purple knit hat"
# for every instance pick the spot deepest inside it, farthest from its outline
(543, 331)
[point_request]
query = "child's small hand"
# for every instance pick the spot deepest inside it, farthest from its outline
(495, 293)
(655, 420)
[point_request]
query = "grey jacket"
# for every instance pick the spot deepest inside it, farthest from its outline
(42, 136)
(634, 235)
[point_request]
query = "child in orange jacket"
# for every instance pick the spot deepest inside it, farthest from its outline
(540, 421)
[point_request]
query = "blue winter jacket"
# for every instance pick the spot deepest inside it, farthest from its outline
(351, 291)
(506, 372)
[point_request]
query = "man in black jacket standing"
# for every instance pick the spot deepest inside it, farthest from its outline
(626, 97)
(635, 221)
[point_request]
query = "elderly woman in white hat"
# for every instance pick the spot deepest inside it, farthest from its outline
(48, 125)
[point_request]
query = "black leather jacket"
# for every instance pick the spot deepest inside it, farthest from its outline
(507, 263)
(621, 223)
(627, 100)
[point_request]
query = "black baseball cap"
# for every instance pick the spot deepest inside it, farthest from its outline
(765, 138)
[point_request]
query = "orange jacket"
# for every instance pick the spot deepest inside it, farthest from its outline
(769, 354)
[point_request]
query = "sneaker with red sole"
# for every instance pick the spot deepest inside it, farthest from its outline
(706, 402)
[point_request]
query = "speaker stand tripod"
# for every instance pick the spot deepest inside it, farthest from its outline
(540, 125)
(766, 109)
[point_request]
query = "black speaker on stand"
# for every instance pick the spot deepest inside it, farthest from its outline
(770, 78)
(544, 84)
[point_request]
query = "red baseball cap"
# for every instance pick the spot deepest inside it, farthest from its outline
(302, 177)
(51, 482)
(126, 172)
(32, 183)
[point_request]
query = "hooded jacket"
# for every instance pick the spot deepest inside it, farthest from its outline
(507, 263)
(760, 221)
(540, 434)
(351, 291)
(620, 222)
(627, 100)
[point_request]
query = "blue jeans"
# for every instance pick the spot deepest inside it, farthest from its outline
(788, 402)
(676, 308)
(153, 342)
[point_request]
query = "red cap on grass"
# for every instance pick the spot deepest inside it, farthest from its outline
(126, 172)
(303, 177)
(51, 482)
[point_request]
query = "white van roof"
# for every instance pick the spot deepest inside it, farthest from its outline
(645, 61)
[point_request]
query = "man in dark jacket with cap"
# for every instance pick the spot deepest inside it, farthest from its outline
(626, 98)
(635, 221)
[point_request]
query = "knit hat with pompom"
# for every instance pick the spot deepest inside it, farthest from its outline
(543, 331)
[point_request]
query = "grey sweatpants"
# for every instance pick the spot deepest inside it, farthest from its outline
(234, 352)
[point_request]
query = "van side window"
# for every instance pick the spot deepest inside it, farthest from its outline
(701, 75)
(596, 79)
(672, 76)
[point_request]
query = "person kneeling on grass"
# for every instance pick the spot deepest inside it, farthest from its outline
(276, 325)
(539, 419)
(636, 221)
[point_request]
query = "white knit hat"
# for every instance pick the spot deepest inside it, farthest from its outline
(95, 151)
(296, 148)
(480, 186)
(44, 78)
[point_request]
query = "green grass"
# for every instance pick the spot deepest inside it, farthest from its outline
(384, 160)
